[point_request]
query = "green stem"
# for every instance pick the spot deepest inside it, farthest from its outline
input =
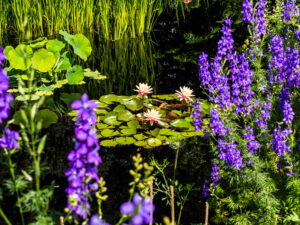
(179, 216)
(12, 172)
(4, 217)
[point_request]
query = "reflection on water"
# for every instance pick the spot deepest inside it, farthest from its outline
(125, 62)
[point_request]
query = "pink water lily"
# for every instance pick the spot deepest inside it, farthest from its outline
(143, 89)
(152, 116)
(185, 94)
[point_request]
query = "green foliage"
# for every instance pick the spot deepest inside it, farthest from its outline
(52, 66)
(121, 120)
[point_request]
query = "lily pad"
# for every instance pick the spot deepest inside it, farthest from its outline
(140, 137)
(94, 75)
(119, 108)
(134, 124)
(108, 99)
(140, 143)
(55, 45)
(111, 119)
(128, 131)
(181, 123)
(65, 62)
(154, 142)
(125, 115)
(125, 140)
(109, 133)
(134, 104)
(165, 132)
(108, 143)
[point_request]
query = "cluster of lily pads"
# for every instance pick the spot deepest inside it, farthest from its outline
(146, 122)
(49, 64)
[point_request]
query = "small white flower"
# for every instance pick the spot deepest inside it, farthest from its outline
(152, 116)
(185, 94)
(143, 89)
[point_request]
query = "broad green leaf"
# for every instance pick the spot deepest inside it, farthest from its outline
(140, 143)
(82, 46)
(111, 119)
(101, 111)
(108, 99)
(165, 97)
(162, 123)
(75, 75)
(125, 115)
(20, 58)
(108, 143)
(7, 49)
(109, 133)
(101, 126)
(43, 60)
(153, 132)
(119, 108)
(47, 116)
(165, 132)
(68, 37)
(140, 137)
(94, 75)
(154, 142)
(181, 123)
(134, 124)
(125, 140)
(124, 99)
(55, 45)
(134, 104)
(65, 62)
(128, 131)
(161, 137)
(38, 43)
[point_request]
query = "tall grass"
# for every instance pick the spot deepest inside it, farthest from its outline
(112, 19)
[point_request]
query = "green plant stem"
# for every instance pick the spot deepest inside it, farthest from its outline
(179, 215)
(12, 172)
(4, 217)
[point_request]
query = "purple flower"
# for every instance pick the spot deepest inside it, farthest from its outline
(197, 120)
(225, 44)
(230, 154)
(289, 10)
(215, 174)
(259, 25)
(84, 159)
(10, 139)
(279, 144)
(95, 220)
(205, 189)
(297, 34)
(252, 144)
(140, 210)
(248, 11)
(288, 113)
(216, 123)
(127, 208)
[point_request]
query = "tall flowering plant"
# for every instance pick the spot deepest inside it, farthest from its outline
(252, 123)
(84, 159)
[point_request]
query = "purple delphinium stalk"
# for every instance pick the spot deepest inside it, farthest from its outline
(288, 113)
(10, 139)
(252, 144)
(225, 44)
(95, 220)
(248, 11)
(259, 24)
(84, 159)
(5, 98)
(289, 10)
(279, 144)
(197, 120)
(205, 188)
(230, 154)
(215, 174)
(264, 115)
(297, 34)
(216, 123)
(139, 209)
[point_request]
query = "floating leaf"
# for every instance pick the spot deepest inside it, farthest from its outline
(125, 140)
(43, 60)
(101, 126)
(111, 119)
(162, 138)
(75, 75)
(38, 43)
(162, 123)
(47, 116)
(119, 108)
(20, 58)
(153, 132)
(134, 104)
(94, 75)
(166, 97)
(108, 143)
(140, 137)
(154, 142)
(108, 99)
(134, 124)
(181, 123)
(140, 143)
(128, 131)
(165, 132)
(125, 115)
(101, 111)
(124, 99)
(109, 133)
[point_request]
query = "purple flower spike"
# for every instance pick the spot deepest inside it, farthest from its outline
(95, 220)
(10, 139)
(84, 159)
(127, 208)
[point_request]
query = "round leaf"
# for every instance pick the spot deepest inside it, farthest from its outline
(20, 58)
(111, 119)
(43, 60)
(55, 45)
(154, 142)
(125, 115)
(81, 45)
(75, 75)
(108, 143)
(181, 123)
(125, 140)
(135, 104)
